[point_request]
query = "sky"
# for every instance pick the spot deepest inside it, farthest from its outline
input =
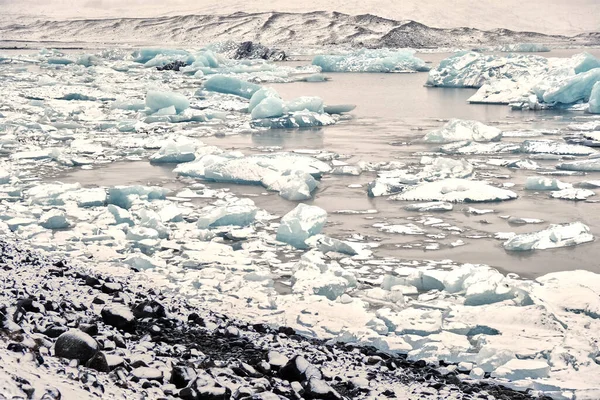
(546, 16)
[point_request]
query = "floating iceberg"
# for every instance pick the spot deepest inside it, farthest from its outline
(524, 48)
(142, 56)
(300, 119)
(175, 152)
(292, 175)
(552, 237)
(573, 194)
(269, 107)
(457, 130)
(541, 183)
(125, 196)
(594, 102)
(572, 89)
(456, 190)
(261, 95)
(308, 103)
(230, 85)
(591, 165)
(301, 223)
(366, 60)
(156, 101)
(239, 213)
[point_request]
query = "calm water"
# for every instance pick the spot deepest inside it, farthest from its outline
(392, 111)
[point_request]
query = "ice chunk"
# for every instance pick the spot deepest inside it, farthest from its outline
(326, 244)
(517, 369)
(121, 215)
(554, 147)
(175, 152)
(428, 207)
(591, 165)
(260, 95)
(457, 130)
(314, 104)
(573, 89)
(541, 183)
(156, 100)
(291, 185)
(269, 107)
(594, 103)
(339, 108)
(229, 85)
(524, 48)
(239, 213)
(552, 237)
(144, 55)
(299, 119)
(124, 196)
(141, 261)
(573, 194)
(367, 60)
(54, 219)
(456, 190)
(301, 223)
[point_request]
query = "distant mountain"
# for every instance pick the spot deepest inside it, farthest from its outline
(287, 30)
(563, 17)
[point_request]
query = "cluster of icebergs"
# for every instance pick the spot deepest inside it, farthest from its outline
(221, 249)
(523, 81)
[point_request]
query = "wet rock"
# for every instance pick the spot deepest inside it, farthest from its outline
(277, 360)
(318, 389)
(299, 370)
(98, 362)
(181, 376)
(75, 345)
(90, 329)
(111, 287)
(250, 50)
(149, 309)
(172, 66)
(119, 316)
(55, 331)
(151, 374)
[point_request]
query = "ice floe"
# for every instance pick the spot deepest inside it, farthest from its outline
(552, 237)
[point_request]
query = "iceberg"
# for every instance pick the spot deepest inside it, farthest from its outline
(517, 369)
(339, 108)
(142, 56)
(594, 103)
(230, 85)
(591, 165)
(54, 219)
(308, 103)
(301, 223)
(456, 190)
(573, 194)
(239, 213)
(457, 130)
(367, 60)
(299, 119)
(175, 152)
(552, 237)
(524, 48)
(261, 95)
(269, 107)
(156, 100)
(573, 89)
(541, 183)
(125, 196)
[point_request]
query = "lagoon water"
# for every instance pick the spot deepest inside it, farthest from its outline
(393, 112)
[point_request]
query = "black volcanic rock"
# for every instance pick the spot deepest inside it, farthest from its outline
(76, 345)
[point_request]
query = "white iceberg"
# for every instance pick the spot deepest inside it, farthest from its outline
(456, 190)
(376, 60)
(457, 130)
(239, 213)
(552, 237)
(301, 223)
(156, 100)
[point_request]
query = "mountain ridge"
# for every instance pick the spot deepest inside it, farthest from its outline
(316, 28)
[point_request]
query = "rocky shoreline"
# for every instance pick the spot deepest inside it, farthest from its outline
(67, 332)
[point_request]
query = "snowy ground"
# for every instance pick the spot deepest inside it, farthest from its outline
(61, 113)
